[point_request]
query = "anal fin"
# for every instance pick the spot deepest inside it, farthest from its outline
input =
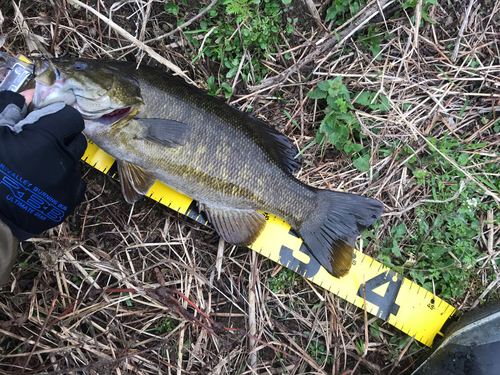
(135, 181)
(238, 227)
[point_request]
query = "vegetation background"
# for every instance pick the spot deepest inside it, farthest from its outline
(393, 99)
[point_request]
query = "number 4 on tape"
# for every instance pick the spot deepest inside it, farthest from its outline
(386, 302)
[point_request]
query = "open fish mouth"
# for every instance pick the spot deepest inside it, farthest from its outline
(114, 116)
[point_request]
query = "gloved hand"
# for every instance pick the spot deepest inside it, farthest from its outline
(40, 178)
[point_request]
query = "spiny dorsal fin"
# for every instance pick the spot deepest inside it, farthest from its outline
(238, 227)
(135, 181)
(277, 145)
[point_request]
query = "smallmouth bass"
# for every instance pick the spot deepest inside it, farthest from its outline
(158, 127)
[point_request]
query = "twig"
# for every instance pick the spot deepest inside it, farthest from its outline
(42, 331)
(186, 24)
(135, 41)
(220, 256)
(252, 306)
(314, 12)
(418, 18)
(454, 56)
(326, 45)
(486, 291)
(422, 201)
(407, 346)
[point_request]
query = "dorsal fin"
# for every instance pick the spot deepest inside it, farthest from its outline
(277, 145)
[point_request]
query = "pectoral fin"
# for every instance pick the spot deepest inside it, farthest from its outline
(135, 181)
(167, 133)
(238, 227)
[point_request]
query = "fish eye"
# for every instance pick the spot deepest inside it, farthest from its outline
(80, 65)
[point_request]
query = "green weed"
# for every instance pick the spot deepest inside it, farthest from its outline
(284, 280)
(167, 325)
(360, 345)
(318, 352)
(444, 239)
(370, 38)
(241, 32)
(339, 126)
(213, 90)
(399, 343)
(375, 329)
(426, 4)
(172, 8)
(341, 10)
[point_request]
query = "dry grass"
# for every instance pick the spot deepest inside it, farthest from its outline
(120, 289)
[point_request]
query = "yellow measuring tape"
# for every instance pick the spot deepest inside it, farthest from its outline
(389, 296)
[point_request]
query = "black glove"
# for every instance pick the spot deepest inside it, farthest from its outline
(40, 178)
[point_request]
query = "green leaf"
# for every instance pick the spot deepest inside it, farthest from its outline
(211, 83)
(342, 104)
(324, 85)
(228, 90)
(364, 98)
(395, 248)
(339, 135)
(317, 94)
(375, 330)
(232, 72)
(375, 48)
(356, 147)
(330, 100)
(426, 17)
(385, 105)
(212, 88)
(462, 159)
(320, 137)
(348, 148)
(331, 14)
(362, 164)
(348, 118)
(398, 231)
(170, 7)
(410, 4)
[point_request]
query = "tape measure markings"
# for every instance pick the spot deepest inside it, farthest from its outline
(401, 304)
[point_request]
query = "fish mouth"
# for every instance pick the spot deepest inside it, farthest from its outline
(49, 86)
(114, 116)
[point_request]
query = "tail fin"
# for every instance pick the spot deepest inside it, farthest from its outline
(330, 231)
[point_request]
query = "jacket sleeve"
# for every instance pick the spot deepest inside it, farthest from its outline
(8, 252)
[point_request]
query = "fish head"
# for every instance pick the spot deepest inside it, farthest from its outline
(99, 90)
